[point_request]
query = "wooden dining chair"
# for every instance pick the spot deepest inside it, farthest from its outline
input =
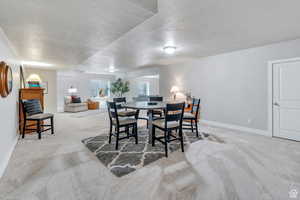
(123, 112)
(157, 112)
(192, 117)
(172, 123)
(33, 111)
(119, 123)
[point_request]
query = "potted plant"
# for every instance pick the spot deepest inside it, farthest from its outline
(119, 87)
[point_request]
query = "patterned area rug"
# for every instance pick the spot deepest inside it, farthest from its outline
(131, 156)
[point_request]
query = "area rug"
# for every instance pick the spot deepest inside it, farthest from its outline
(131, 156)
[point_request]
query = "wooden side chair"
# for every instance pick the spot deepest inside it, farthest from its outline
(123, 112)
(33, 111)
(157, 112)
(192, 117)
(119, 123)
(171, 122)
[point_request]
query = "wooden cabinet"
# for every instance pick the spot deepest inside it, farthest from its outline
(25, 94)
(93, 105)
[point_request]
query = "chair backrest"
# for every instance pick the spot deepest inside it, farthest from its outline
(174, 112)
(119, 101)
(156, 98)
(112, 111)
(195, 106)
(32, 107)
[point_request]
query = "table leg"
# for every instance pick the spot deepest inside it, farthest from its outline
(150, 120)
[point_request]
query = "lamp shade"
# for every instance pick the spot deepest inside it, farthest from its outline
(72, 90)
(174, 89)
(34, 78)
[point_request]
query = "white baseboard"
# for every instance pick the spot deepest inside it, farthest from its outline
(235, 127)
(5, 161)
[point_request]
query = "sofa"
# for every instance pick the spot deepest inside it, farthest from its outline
(74, 107)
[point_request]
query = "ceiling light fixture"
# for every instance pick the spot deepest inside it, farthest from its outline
(112, 69)
(169, 49)
(38, 64)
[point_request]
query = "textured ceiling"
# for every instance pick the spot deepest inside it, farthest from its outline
(128, 34)
(198, 29)
(66, 32)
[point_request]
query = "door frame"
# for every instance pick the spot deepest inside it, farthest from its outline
(271, 88)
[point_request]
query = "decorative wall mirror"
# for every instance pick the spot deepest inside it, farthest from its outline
(6, 79)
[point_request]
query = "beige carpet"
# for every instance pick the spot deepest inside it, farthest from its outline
(60, 167)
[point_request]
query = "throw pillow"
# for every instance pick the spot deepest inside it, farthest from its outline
(76, 100)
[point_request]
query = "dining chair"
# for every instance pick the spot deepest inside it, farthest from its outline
(192, 117)
(120, 123)
(156, 113)
(157, 99)
(123, 112)
(33, 111)
(171, 122)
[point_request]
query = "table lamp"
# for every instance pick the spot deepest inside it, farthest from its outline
(174, 90)
(34, 80)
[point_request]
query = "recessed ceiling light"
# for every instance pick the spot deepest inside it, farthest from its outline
(169, 49)
(112, 69)
(38, 64)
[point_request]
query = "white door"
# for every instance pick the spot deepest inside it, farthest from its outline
(286, 100)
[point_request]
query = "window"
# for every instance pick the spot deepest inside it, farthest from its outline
(144, 88)
(100, 88)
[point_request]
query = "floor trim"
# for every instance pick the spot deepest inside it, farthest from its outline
(5, 161)
(235, 127)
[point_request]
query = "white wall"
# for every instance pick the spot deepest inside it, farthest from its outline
(50, 99)
(81, 81)
(233, 87)
(8, 106)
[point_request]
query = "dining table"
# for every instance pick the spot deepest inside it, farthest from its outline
(149, 106)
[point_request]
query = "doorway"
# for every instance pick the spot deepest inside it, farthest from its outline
(286, 99)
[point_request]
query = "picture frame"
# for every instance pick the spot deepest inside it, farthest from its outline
(6, 79)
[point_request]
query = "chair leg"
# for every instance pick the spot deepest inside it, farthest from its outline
(166, 144)
(24, 129)
(110, 133)
(196, 124)
(39, 129)
(117, 138)
(52, 125)
(127, 131)
(153, 136)
(192, 127)
(136, 133)
(181, 139)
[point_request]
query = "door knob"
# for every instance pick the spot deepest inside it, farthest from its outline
(276, 104)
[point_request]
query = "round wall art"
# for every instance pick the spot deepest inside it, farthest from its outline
(6, 79)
